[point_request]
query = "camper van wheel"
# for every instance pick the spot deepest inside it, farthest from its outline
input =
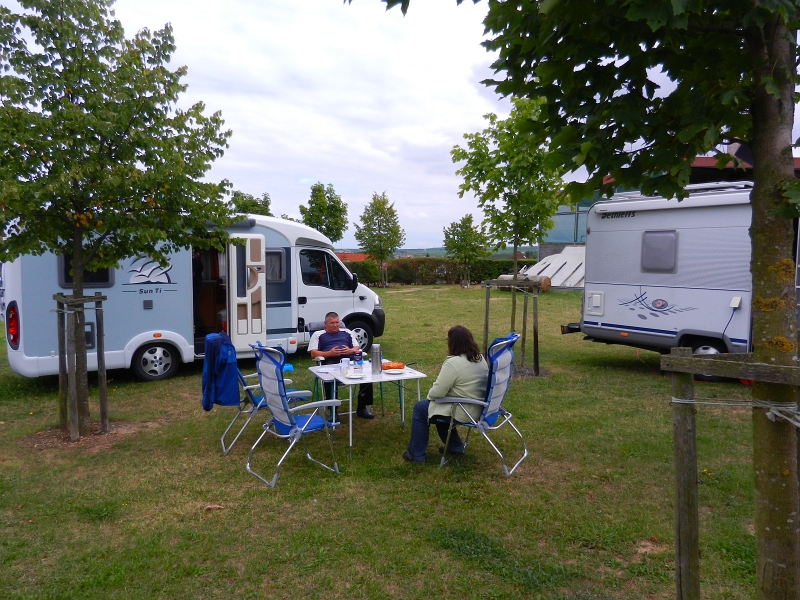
(363, 333)
(155, 362)
(701, 347)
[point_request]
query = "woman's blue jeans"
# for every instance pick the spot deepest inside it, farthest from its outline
(420, 428)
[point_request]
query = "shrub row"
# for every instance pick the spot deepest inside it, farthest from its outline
(426, 271)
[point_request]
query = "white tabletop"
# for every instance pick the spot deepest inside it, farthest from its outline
(382, 377)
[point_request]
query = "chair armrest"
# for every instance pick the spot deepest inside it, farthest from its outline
(319, 403)
(250, 376)
(296, 393)
(454, 400)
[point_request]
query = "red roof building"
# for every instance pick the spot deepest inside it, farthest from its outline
(351, 256)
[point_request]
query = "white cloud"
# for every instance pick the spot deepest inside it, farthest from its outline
(352, 95)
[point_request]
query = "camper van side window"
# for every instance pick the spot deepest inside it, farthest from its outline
(91, 279)
(659, 251)
(274, 265)
(314, 267)
(340, 280)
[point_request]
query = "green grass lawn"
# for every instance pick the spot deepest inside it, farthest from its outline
(160, 513)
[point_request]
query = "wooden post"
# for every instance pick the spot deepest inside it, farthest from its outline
(687, 551)
(74, 427)
(486, 321)
(536, 335)
(524, 326)
(61, 323)
(102, 386)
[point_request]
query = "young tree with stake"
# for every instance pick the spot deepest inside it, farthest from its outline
(98, 163)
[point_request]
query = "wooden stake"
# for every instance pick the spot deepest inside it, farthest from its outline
(102, 386)
(486, 322)
(74, 427)
(536, 335)
(61, 323)
(687, 551)
(524, 326)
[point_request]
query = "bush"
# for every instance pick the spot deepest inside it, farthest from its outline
(487, 268)
(423, 271)
(366, 270)
(427, 271)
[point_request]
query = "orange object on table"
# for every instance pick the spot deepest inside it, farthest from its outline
(392, 365)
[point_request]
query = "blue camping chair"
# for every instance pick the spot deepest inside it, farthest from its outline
(493, 416)
(250, 402)
(286, 422)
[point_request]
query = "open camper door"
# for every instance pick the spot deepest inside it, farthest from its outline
(247, 319)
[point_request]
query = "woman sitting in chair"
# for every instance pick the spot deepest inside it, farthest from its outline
(464, 374)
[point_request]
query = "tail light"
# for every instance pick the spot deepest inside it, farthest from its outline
(12, 325)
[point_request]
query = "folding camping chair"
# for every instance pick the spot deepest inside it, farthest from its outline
(285, 421)
(501, 363)
(251, 400)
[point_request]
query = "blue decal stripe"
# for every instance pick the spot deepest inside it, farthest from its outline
(645, 329)
(738, 341)
(591, 323)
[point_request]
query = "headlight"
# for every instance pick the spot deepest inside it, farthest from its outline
(377, 301)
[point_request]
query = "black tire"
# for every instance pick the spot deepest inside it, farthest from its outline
(708, 346)
(155, 362)
(363, 333)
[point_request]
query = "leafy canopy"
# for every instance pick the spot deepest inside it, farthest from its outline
(464, 241)
(326, 212)
(97, 159)
(507, 171)
(636, 89)
(249, 204)
(380, 233)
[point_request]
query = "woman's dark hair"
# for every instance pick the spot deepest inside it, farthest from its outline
(460, 341)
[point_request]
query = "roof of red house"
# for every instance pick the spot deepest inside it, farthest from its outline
(351, 256)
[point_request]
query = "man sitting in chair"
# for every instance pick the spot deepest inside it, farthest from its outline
(334, 344)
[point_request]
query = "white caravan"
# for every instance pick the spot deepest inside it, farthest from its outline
(662, 273)
(283, 277)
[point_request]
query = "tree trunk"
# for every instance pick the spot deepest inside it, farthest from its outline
(81, 367)
(514, 287)
(774, 316)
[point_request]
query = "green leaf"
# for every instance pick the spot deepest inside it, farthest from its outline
(772, 86)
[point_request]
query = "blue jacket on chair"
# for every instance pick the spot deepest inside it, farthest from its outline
(220, 372)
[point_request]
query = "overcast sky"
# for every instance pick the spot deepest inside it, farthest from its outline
(351, 95)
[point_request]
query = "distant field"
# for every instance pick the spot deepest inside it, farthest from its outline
(155, 511)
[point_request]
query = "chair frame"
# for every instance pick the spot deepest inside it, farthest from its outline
(296, 431)
(248, 404)
(488, 421)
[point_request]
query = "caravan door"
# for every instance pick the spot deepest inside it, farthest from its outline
(247, 291)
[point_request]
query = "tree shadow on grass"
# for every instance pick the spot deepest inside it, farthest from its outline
(489, 555)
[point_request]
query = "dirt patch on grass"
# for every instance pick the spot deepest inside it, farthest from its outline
(404, 291)
(96, 441)
(528, 372)
(651, 546)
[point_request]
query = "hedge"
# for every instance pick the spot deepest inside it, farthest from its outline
(366, 270)
(426, 271)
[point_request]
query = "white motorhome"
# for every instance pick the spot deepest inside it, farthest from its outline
(268, 289)
(662, 273)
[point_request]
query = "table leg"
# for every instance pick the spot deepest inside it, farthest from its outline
(402, 405)
(350, 416)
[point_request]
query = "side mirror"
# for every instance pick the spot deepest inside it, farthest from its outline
(354, 283)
